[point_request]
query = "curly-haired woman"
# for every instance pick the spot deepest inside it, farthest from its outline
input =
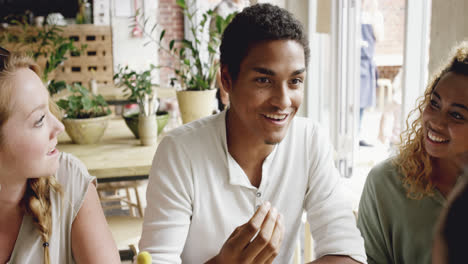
(50, 212)
(404, 195)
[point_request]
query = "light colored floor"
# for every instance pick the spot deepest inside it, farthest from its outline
(367, 157)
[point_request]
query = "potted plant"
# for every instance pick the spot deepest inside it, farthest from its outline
(86, 115)
(131, 119)
(195, 73)
(141, 89)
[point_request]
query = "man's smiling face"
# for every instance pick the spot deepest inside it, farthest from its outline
(268, 90)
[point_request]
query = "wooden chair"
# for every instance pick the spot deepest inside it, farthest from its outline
(110, 192)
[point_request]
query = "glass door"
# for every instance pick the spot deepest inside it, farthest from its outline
(345, 55)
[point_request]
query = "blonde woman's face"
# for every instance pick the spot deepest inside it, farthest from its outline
(445, 118)
(30, 134)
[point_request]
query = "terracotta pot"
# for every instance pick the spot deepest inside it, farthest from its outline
(195, 104)
(86, 130)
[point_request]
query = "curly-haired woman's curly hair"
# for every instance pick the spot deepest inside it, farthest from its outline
(257, 23)
(413, 161)
(36, 200)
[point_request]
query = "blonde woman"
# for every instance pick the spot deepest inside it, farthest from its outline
(404, 195)
(50, 212)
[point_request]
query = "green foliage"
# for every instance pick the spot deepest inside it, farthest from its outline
(137, 83)
(55, 87)
(48, 42)
(191, 71)
(83, 104)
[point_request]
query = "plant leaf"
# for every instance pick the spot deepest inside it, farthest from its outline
(171, 44)
(87, 103)
(153, 28)
(181, 3)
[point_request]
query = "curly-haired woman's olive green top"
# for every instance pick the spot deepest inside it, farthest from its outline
(396, 228)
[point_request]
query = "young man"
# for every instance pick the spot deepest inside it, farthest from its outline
(231, 188)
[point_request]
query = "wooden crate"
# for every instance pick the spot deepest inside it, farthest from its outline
(95, 62)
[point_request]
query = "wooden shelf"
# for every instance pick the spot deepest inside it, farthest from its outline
(95, 62)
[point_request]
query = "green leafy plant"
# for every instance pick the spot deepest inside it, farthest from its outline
(83, 104)
(44, 42)
(192, 71)
(138, 84)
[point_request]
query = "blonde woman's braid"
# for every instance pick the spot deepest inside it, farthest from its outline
(37, 203)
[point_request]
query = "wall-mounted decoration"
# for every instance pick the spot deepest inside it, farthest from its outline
(101, 12)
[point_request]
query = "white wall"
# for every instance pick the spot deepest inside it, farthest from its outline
(300, 10)
(280, 3)
(449, 25)
(415, 59)
(127, 49)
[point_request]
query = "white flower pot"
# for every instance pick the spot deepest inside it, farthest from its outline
(195, 104)
(86, 130)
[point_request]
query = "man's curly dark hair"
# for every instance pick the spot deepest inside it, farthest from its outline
(257, 23)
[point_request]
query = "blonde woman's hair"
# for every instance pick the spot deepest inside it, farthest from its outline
(413, 161)
(36, 200)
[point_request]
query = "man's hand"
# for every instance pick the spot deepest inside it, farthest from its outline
(240, 248)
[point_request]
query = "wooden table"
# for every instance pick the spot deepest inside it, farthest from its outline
(117, 157)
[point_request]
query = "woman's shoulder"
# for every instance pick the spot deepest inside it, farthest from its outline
(74, 179)
(70, 161)
(385, 175)
(383, 192)
(71, 169)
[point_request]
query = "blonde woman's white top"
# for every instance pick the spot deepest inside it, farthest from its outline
(74, 179)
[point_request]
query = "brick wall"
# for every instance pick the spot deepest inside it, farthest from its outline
(171, 18)
(393, 12)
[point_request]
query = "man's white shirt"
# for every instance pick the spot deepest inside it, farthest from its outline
(197, 194)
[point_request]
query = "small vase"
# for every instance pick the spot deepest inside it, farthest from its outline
(148, 130)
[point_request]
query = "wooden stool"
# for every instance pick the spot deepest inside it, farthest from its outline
(124, 200)
(384, 93)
